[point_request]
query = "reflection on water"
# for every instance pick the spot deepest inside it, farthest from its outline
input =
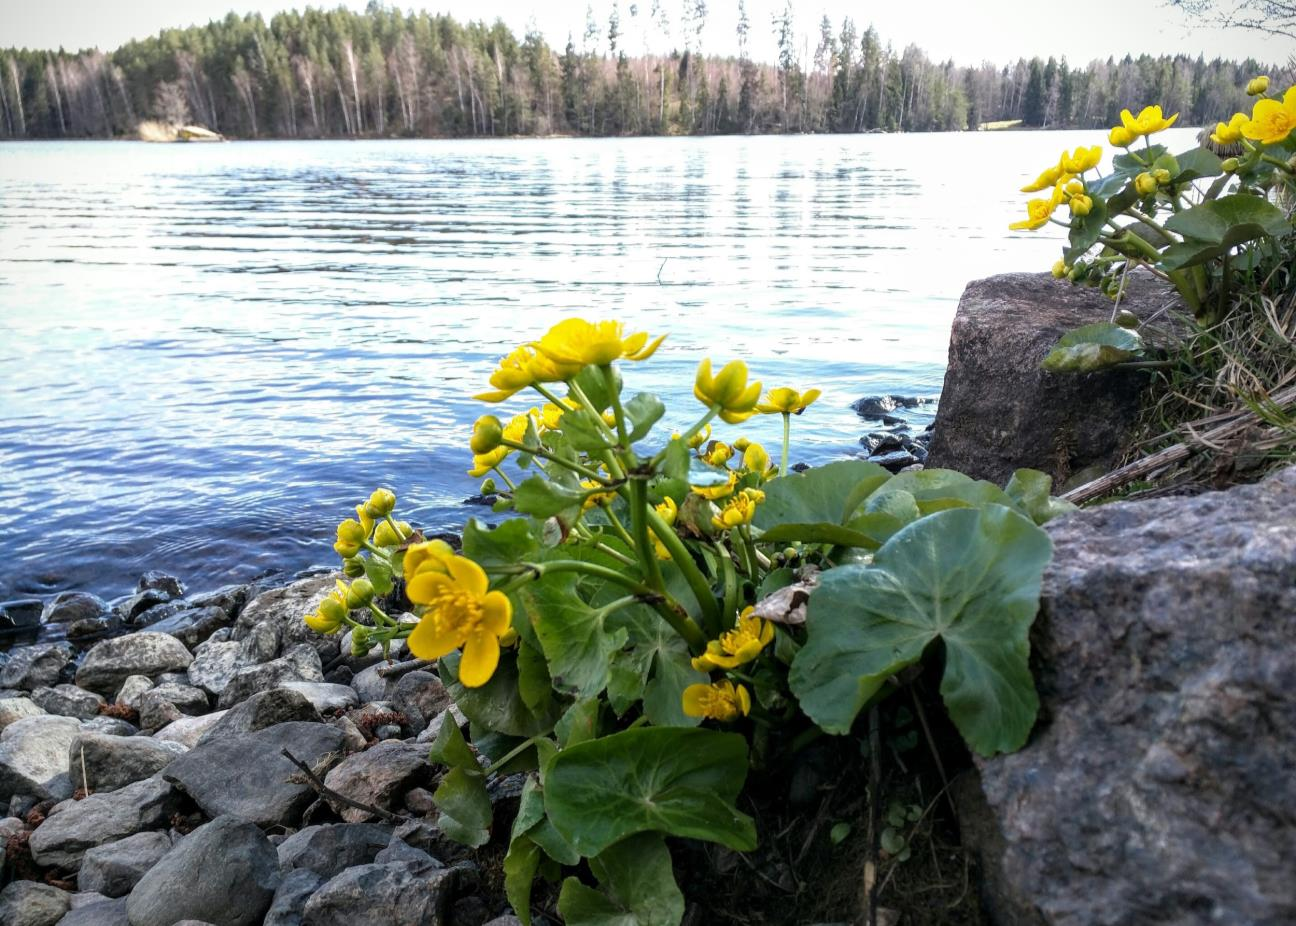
(210, 353)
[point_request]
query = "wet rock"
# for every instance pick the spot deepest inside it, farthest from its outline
(267, 709)
(299, 664)
(115, 868)
(129, 609)
(214, 665)
(20, 618)
(84, 632)
(224, 873)
(895, 460)
(290, 898)
(881, 441)
(160, 581)
(27, 903)
(64, 837)
(324, 696)
(111, 662)
(14, 709)
(379, 776)
(33, 757)
(399, 894)
(246, 775)
(420, 696)
(229, 598)
(101, 763)
(101, 913)
(1160, 789)
(331, 847)
(875, 406)
(131, 689)
(187, 731)
(158, 613)
(192, 626)
(68, 701)
(66, 607)
(36, 666)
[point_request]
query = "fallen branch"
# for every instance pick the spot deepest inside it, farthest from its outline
(332, 796)
(398, 669)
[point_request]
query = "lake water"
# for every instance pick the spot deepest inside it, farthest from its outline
(209, 354)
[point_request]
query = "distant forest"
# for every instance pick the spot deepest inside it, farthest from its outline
(384, 73)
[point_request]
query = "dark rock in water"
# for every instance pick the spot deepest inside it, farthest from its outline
(110, 662)
(66, 607)
(100, 763)
(999, 411)
(290, 898)
(893, 421)
(68, 701)
(301, 663)
(876, 406)
(881, 441)
(800, 467)
(331, 847)
(894, 460)
(380, 776)
(1161, 787)
(129, 609)
(224, 873)
(36, 666)
(485, 501)
(248, 777)
(191, 626)
(64, 837)
(113, 869)
(159, 612)
(397, 894)
(230, 599)
(20, 617)
(33, 757)
(160, 581)
(27, 903)
(267, 709)
(83, 632)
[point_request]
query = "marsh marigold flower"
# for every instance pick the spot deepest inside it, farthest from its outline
(459, 610)
(727, 389)
(577, 342)
(719, 454)
(1048, 179)
(524, 367)
(599, 494)
(1080, 160)
(787, 401)
(1272, 121)
(332, 611)
(487, 433)
(756, 459)
(483, 463)
(736, 647)
(721, 490)
(351, 536)
(381, 503)
(1121, 137)
(1038, 212)
(1257, 85)
(723, 701)
(668, 511)
(1231, 133)
(739, 510)
(428, 556)
(1149, 121)
(1145, 184)
(386, 536)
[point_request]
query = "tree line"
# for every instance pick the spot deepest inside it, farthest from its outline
(384, 73)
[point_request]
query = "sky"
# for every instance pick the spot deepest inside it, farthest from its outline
(968, 32)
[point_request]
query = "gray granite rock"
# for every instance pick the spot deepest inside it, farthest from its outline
(66, 607)
(115, 868)
(223, 873)
(329, 848)
(68, 701)
(1160, 786)
(64, 837)
(214, 665)
(325, 696)
(290, 897)
(379, 776)
(14, 709)
(299, 663)
(111, 726)
(281, 610)
(130, 690)
(29, 903)
(34, 757)
(192, 626)
(229, 598)
(111, 662)
(101, 913)
(420, 696)
(265, 709)
(246, 775)
(105, 763)
(35, 666)
(188, 731)
(396, 894)
(398, 850)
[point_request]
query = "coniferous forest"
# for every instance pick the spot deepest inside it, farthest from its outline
(637, 69)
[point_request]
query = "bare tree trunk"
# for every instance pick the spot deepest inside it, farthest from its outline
(17, 86)
(355, 84)
(346, 108)
(51, 75)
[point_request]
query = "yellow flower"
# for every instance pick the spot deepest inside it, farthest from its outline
(380, 504)
(787, 401)
(351, 536)
(1121, 137)
(1045, 180)
(577, 342)
(366, 520)
(1060, 269)
(700, 438)
(1080, 160)
(739, 510)
(551, 415)
(756, 460)
(487, 433)
(596, 497)
(1257, 85)
(385, 536)
(723, 701)
(1271, 121)
(1161, 176)
(516, 429)
(1230, 134)
(428, 556)
(720, 454)
(738, 646)
(483, 463)
(668, 511)
(728, 389)
(359, 594)
(1145, 184)
(1038, 212)
(332, 611)
(460, 611)
(511, 376)
(1148, 122)
(717, 491)
(1080, 204)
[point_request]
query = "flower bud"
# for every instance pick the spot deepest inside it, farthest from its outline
(1257, 85)
(360, 644)
(1121, 137)
(1127, 319)
(487, 433)
(380, 503)
(488, 487)
(1145, 184)
(1078, 272)
(359, 594)
(1081, 204)
(385, 536)
(1060, 269)
(351, 536)
(1229, 165)
(352, 567)
(1161, 176)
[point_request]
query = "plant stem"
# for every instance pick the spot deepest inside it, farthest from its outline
(787, 437)
(615, 523)
(682, 558)
(512, 754)
(507, 481)
(574, 467)
(622, 439)
(639, 530)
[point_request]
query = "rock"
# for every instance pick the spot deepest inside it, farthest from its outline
(352, 739)
(112, 762)
(324, 696)
(224, 873)
(379, 776)
(895, 460)
(876, 406)
(110, 726)
(131, 689)
(31, 667)
(102, 913)
(999, 411)
(399, 894)
(113, 869)
(371, 686)
(450, 714)
(420, 696)
(281, 609)
(28, 903)
(82, 633)
(185, 699)
(66, 607)
(246, 776)
(1161, 787)
(131, 608)
(68, 701)
(158, 613)
(420, 802)
(298, 664)
(111, 662)
(64, 837)
(153, 579)
(329, 848)
(398, 850)
(260, 645)
(276, 706)
(508, 919)
(229, 598)
(157, 712)
(192, 626)
(15, 709)
(34, 757)
(187, 731)
(879, 441)
(214, 665)
(290, 898)
(20, 618)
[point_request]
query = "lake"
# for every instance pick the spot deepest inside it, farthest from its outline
(211, 353)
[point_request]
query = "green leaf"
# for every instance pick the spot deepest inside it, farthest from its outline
(643, 411)
(638, 887)
(1230, 220)
(542, 498)
(580, 723)
(520, 866)
(498, 705)
(1198, 164)
(675, 464)
(451, 749)
(1093, 347)
(663, 695)
(821, 532)
(534, 684)
(576, 642)
(967, 577)
(379, 574)
(592, 382)
(1086, 230)
(1029, 491)
(510, 542)
(655, 667)
(583, 432)
(465, 807)
(681, 782)
(808, 506)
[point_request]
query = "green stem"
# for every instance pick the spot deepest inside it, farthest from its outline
(787, 439)
(688, 435)
(639, 530)
(729, 582)
(623, 440)
(1282, 165)
(377, 551)
(615, 523)
(395, 527)
(753, 557)
(507, 481)
(513, 754)
(574, 467)
(682, 558)
(381, 615)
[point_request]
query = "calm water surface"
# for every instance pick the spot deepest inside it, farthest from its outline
(208, 354)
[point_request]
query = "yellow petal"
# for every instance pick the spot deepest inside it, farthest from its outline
(468, 575)
(480, 658)
(648, 351)
(695, 699)
(744, 699)
(497, 612)
(425, 643)
(424, 587)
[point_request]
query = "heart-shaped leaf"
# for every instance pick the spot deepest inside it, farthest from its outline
(637, 885)
(576, 641)
(1093, 347)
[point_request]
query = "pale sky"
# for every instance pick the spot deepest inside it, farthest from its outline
(969, 32)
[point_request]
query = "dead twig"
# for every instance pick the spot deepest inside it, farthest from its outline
(396, 670)
(334, 798)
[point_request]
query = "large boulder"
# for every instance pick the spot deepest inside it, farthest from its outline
(1159, 785)
(329, 848)
(999, 411)
(101, 762)
(379, 777)
(27, 903)
(280, 612)
(63, 838)
(31, 667)
(34, 757)
(395, 894)
(14, 709)
(111, 662)
(266, 709)
(113, 869)
(298, 663)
